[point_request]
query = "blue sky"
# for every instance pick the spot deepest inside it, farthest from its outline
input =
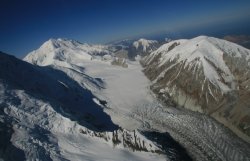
(26, 24)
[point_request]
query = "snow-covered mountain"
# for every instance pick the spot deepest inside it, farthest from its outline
(145, 45)
(132, 48)
(61, 51)
(64, 50)
(204, 74)
(47, 115)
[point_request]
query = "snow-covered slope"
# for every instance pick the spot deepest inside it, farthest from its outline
(48, 116)
(55, 86)
(204, 74)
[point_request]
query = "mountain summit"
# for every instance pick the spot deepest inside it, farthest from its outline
(60, 50)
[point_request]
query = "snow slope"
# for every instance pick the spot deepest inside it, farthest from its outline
(41, 111)
(125, 89)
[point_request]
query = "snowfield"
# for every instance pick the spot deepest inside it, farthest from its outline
(125, 90)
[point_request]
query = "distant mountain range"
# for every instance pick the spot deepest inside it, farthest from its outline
(243, 40)
(132, 48)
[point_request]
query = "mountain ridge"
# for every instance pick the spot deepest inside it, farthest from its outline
(203, 74)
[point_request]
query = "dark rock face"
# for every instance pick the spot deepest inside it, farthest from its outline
(173, 149)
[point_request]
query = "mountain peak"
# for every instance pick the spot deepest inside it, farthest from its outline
(143, 40)
(204, 74)
(207, 53)
(49, 44)
(201, 37)
(145, 44)
(64, 50)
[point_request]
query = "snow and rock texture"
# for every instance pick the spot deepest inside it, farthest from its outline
(204, 74)
(145, 45)
(55, 86)
(47, 115)
(204, 138)
(132, 48)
